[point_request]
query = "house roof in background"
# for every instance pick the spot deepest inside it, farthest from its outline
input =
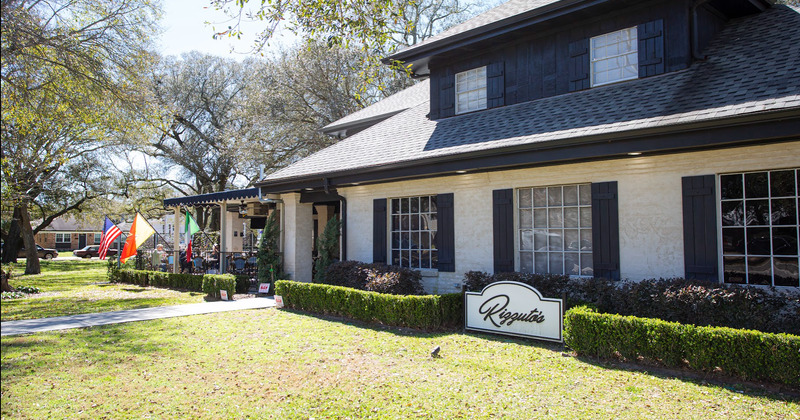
(753, 69)
(69, 223)
(400, 101)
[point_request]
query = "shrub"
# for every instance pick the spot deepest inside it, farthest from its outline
(431, 312)
(213, 283)
(678, 300)
(374, 277)
(208, 283)
(242, 284)
(748, 354)
(269, 257)
(327, 249)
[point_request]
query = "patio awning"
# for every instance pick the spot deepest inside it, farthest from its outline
(210, 198)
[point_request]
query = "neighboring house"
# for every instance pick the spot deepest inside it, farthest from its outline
(67, 233)
(618, 139)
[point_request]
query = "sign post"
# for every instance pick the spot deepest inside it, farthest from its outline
(513, 308)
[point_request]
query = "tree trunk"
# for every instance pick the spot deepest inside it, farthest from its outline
(5, 276)
(11, 245)
(31, 254)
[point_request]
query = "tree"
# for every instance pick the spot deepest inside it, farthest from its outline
(69, 71)
(222, 120)
(327, 249)
(268, 258)
(375, 27)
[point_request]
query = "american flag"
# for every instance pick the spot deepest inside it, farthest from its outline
(110, 233)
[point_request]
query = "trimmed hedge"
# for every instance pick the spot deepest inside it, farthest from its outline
(678, 300)
(211, 284)
(748, 354)
(430, 312)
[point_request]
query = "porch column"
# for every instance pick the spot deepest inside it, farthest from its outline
(298, 231)
(176, 239)
(223, 235)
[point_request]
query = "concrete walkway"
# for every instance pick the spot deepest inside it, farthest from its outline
(28, 326)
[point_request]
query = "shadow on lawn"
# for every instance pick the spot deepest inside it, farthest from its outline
(412, 332)
(772, 391)
(757, 389)
(56, 350)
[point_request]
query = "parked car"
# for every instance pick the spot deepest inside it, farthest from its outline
(46, 253)
(92, 251)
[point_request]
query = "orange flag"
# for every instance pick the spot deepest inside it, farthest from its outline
(140, 232)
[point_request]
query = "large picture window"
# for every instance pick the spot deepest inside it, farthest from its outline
(413, 231)
(614, 57)
(62, 238)
(555, 229)
(471, 90)
(760, 227)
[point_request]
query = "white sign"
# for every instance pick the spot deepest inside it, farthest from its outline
(278, 301)
(223, 294)
(263, 287)
(513, 308)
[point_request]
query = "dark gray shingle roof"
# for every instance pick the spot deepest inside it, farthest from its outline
(400, 101)
(753, 67)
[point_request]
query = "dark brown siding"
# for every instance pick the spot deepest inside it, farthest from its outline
(544, 64)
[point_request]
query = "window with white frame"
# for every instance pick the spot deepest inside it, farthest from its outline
(471, 90)
(555, 229)
(63, 238)
(97, 237)
(614, 57)
(760, 227)
(413, 232)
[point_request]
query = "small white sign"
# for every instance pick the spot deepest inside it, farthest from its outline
(263, 287)
(223, 294)
(278, 301)
(513, 308)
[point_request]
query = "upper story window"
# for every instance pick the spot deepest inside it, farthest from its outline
(614, 57)
(471, 90)
(413, 230)
(760, 227)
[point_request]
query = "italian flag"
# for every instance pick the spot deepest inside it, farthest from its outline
(190, 228)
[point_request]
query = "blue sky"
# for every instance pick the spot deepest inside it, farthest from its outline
(189, 25)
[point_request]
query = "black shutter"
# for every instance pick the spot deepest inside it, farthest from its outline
(651, 48)
(503, 221)
(605, 230)
(700, 227)
(495, 85)
(445, 234)
(447, 94)
(379, 231)
(579, 65)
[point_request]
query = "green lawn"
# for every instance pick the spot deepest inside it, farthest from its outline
(78, 287)
(281, 364)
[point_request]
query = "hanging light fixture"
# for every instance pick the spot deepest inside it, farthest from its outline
(243, 210)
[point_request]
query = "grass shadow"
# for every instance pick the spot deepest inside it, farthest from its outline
(773, 391)
(778, 392)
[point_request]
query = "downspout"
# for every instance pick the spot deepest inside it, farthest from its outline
(693, 30)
